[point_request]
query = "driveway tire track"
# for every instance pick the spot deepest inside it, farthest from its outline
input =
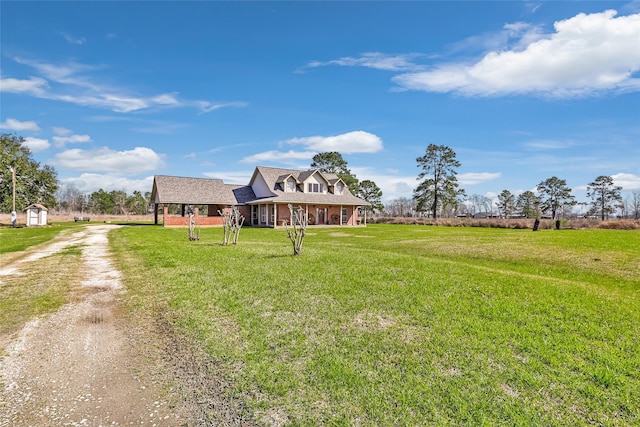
(79, 366)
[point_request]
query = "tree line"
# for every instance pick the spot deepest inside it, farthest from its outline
(438, 192)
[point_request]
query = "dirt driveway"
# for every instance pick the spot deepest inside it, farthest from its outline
(82, 365)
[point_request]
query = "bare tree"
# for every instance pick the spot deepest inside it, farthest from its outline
(193, 235)
(298, 228)
(232, 222)
(402, 206)
(635, 204)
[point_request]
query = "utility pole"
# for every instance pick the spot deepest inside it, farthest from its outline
(13, 172)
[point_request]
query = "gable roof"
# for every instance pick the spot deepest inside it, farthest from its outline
(207, 191)
(182, 190)
(273, 176)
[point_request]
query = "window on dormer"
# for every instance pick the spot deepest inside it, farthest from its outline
(291, 186)
(339, 188)
(315, 188)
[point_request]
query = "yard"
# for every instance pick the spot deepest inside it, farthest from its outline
(402, 325)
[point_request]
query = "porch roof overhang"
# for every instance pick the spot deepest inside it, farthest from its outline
(311, 199)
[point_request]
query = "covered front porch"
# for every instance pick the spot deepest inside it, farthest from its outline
(277, 214)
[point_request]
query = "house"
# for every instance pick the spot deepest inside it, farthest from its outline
(263, 202)
(36, 215)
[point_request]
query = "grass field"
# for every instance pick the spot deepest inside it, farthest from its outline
(40, 289)
(404, 325)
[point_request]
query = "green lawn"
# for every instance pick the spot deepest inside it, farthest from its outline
(39, 288)
(405, 325)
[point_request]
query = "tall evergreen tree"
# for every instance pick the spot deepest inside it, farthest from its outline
(439, 186)
(506, 203)
(528, 204)
(555, 194)
(369, 191)
(604, 195)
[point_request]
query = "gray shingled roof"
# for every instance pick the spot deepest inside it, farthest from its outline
(206, 191)
(271, 176)
(182, 190)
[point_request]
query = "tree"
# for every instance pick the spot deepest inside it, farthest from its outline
(528, 205)
(439, 185)
(332, 162)
(554, 195)
(635, 204)
(400, 207)
(369, 191)
(34, 183)
(70, 198)
(604, 195)
(477, 203)
(298, 229)
(101, 202)
(506, 203)
(137, 203)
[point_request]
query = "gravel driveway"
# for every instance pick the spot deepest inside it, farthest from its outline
(82, 365)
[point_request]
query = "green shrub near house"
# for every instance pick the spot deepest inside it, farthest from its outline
(404, 325)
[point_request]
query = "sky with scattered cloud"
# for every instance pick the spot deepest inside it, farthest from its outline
(521, 91)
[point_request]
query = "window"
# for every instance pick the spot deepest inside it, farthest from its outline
(345, 216)
(291, 186)
(315, 188)
(263, 214)
(339, 188)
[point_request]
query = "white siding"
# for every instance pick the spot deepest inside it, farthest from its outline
(260, 187)
(316, 179)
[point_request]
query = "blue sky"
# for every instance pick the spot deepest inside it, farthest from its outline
(112, 93)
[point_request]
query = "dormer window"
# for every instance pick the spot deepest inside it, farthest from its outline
(339, 188)
(291, 186)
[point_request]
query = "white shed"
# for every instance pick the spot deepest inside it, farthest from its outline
(36, 215)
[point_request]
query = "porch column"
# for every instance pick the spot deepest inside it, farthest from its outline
(275, 215)
(165, 214)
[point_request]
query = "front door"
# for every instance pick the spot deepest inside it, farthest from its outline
(321, 215)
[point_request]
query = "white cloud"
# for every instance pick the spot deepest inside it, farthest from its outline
(140, 159)
(33, 86)
(71, 139)
(393, 186)
(549, 144)
(61, 131)
(473, 178)
(18, 126)
(239, 177)
(587, 54)
(279, 156)
(627, 181)
(346, 143)
(75, 85)
(375, 60)
(73, 40)
(206, 106)
(36, 144)
(165, 99)
(90, 182)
